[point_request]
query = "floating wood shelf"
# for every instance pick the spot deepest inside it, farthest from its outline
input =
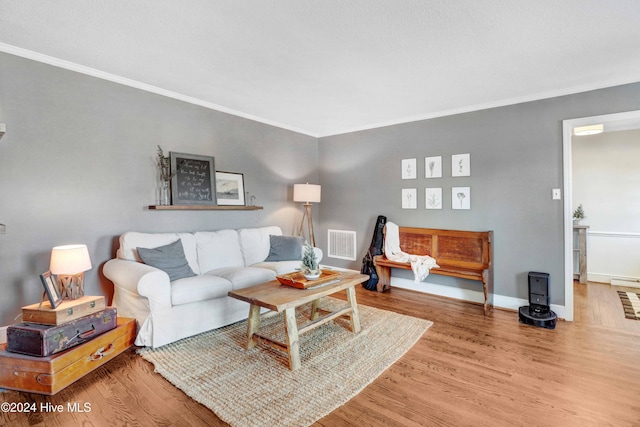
(202, 208)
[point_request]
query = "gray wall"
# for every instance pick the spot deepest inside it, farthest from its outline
(516, 159)
(77, 166)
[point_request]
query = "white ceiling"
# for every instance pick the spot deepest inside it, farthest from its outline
(324, 67)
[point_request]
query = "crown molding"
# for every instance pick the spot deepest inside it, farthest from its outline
(14, 50)
(488, 105)
(56, 62)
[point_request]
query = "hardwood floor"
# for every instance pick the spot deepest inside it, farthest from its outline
(467, 370)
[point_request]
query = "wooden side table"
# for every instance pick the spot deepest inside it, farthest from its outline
(580, 248)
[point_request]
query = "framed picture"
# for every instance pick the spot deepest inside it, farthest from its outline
(409, 198)
(461, 198)
(230, 188)
(409, 169)
(193, 179)
(50, 288)
(433, 167)
(461, 165)
(433, 197)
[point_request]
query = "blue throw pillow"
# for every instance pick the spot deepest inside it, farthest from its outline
(285, 248)
(169, 258)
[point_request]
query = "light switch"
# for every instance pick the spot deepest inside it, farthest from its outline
(555, 194)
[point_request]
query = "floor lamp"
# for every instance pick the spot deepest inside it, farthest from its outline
(307, 193)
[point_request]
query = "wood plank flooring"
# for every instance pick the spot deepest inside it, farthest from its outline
(467, 370)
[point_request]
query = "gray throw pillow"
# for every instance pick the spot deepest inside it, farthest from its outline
(169, 258)
(285, 248)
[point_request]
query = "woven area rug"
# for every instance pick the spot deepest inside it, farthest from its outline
(256, 388)
(631, 304)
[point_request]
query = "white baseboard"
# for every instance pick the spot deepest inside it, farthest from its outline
(3, 334)
(625, 283)
(500, 301)
(330, 267)
(610, 278)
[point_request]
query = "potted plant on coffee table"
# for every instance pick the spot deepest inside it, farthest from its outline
(309, 266)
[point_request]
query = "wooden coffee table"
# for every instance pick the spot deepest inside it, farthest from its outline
(278, 298)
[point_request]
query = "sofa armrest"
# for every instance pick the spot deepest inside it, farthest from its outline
(141, 280)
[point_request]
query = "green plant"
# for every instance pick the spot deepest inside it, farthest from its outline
(579, 212)
(309, 260)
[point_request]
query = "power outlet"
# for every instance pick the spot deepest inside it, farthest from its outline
(555, 194)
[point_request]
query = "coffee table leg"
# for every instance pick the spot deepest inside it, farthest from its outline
(314, 309)
(355, 318)
(252, 325)
(293, 346)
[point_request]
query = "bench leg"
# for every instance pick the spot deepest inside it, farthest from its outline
(384, 278)
(487, 286)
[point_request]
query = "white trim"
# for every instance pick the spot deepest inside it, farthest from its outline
(488, 105)
(625, 283)
(567, 126)
(499, 301)
(613, 234)
(142, 86)
(14, 50)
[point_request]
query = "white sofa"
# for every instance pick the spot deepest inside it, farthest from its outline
(221, 260)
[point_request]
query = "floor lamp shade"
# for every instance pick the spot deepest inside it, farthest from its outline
(69, 263)
(307, 193)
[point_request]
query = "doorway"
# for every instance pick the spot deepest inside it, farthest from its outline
(628, 120)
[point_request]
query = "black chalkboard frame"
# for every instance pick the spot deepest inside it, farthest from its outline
(179, 196)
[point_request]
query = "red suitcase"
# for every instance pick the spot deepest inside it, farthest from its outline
(40, 340)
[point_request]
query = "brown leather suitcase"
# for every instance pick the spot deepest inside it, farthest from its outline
(40, 340)
(67, 311)
(50, 374)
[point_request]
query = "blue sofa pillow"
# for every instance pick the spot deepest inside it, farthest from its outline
(169, 258)
(285, 248)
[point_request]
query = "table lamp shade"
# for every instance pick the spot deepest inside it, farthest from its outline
(70, 259)
(308, 193)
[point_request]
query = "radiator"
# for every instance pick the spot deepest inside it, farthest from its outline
(342, 244)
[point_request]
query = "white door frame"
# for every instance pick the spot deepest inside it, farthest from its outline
(567, 127)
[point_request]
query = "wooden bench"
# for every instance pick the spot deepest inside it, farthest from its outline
(463, 254)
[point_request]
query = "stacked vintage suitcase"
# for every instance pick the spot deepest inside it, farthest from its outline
(54, 347)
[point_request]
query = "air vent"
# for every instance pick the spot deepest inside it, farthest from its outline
(342, 244)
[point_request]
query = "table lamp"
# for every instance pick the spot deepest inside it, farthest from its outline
(307, 193)
(69, 263)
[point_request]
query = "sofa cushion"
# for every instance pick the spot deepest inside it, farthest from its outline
(243, 277)
(280, 267)
(255, 242)
(218, 249)
(285, 248)
(198, 288)
(168, 258)
(131, 240)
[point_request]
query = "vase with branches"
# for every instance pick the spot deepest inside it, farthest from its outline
(164, 169)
